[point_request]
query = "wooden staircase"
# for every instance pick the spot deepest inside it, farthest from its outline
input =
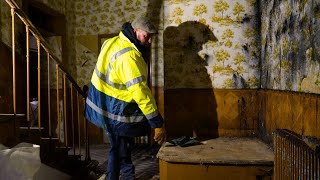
(60, 103)
(10, 123)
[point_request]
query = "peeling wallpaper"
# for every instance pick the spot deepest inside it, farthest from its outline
(290, 45)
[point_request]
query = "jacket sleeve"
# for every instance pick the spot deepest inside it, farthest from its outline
(133, 72)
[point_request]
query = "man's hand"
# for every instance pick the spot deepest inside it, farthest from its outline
(160, 135)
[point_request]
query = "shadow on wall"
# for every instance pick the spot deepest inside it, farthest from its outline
(190, 105)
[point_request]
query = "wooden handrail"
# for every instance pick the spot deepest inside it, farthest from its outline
(24, 18)
(48, 50)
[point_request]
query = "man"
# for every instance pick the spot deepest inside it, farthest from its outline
(119, 99)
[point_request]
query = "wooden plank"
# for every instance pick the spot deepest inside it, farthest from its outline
(220, 151)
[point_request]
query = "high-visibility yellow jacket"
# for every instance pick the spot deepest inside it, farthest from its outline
(118, 97)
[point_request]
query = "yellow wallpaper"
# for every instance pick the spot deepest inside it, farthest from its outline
(229, 60)
(106, 17)
(85, 63)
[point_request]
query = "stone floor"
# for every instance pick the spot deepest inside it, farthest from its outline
(223, 150)
(143, 157)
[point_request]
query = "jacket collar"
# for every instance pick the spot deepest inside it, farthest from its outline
(127, 30)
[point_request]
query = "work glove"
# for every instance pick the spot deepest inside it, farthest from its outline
(160, 135)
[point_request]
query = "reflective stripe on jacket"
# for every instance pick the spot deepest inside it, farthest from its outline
(118, 94)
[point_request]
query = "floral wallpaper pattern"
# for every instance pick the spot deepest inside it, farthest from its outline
(103, 17)
(231, 60)
(284, 55)
(227, 61)
(106, 17)
(291, 45)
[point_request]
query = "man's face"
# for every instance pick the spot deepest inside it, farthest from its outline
(143, 36)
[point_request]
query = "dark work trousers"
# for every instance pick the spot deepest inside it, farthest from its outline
(119, 160)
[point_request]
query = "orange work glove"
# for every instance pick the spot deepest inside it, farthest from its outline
(160, 135)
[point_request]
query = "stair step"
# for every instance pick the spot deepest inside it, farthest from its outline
(64, 151)
(9, 117)
(48, 138)
(75, 157)
(31, 128)
(63, 148)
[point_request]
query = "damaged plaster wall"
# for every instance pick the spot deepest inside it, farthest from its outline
(290, 45)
